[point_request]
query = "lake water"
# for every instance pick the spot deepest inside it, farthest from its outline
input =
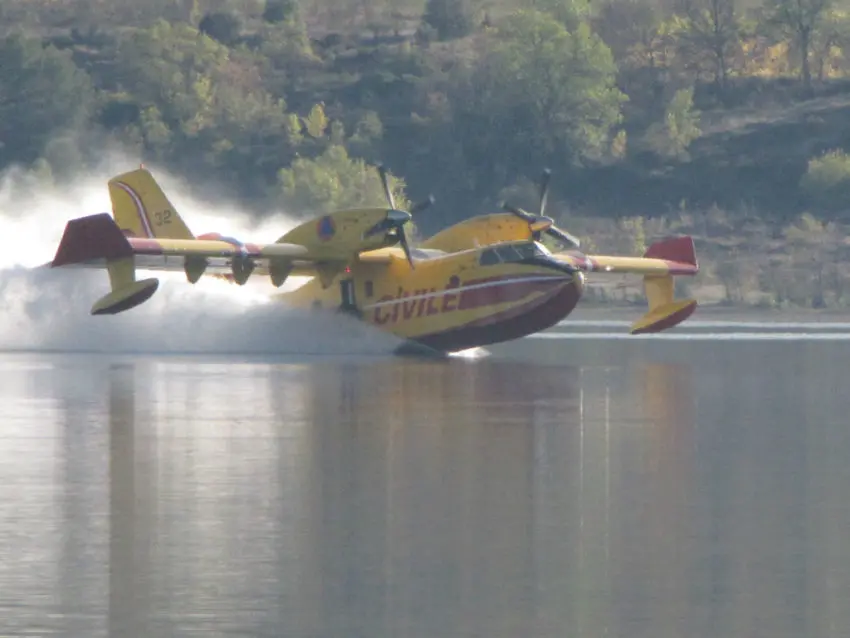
(580, 485)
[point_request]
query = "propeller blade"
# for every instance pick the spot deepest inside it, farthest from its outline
(518, 212)
(544, 190)
(423, 204)
(382, 171)
(402, 238)
(563, 236)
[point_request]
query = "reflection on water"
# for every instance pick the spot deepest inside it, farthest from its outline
(701, 494)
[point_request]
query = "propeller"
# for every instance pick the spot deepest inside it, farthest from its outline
(540, 223)
(396, 219)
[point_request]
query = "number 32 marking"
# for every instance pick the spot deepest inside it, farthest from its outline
(162, 217)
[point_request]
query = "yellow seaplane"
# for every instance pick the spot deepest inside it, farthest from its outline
(482, 281)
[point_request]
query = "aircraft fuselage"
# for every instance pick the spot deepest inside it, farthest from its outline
(455, 301)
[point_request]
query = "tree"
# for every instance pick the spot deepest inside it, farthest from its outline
(671, 137)
(280, 10)
(221, 26)
(334, 181)
(570, 13)
(538, 93)
(712, 30)
(42, 94)
(213, 102)
(802, 19)
(450, 18)
(628, 27)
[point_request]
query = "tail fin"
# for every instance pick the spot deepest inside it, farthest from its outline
(141, 209)
(664, 310)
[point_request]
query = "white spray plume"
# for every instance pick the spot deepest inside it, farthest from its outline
(49, 309)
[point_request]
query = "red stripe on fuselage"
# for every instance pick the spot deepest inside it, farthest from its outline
(534, 316)
(472, 295)
(513, 289)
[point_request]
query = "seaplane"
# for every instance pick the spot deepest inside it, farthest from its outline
(482, 281)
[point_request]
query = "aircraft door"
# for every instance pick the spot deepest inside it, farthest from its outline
(348, 298)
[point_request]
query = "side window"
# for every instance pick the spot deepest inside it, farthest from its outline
(489, 258)
(369, 290)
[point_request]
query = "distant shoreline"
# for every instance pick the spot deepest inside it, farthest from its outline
(715, 312)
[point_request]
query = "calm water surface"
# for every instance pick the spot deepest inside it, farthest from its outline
(556, 488)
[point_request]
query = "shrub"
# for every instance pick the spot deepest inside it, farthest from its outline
(826, 182)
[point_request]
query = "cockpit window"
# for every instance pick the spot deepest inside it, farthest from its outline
(528, 250)
(489, 258)
(507, 253)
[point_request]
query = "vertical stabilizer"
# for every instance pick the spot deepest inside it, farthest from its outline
(141, 208)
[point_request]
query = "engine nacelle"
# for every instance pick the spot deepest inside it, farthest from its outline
(195, 268)
(242, 268)
(279, 271)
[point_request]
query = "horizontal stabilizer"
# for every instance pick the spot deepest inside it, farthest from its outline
(90, 238)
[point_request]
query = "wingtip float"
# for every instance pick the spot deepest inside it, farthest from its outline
(482, 281)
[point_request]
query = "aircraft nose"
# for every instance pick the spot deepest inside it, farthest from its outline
(579, 281)
(560, 302)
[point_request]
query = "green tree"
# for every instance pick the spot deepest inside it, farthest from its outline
(826, 182)
(712, 32)
(571, 13)
(280, 10)
(222, 26)
(42, 95)
(802, 20)
(538, 91)
(671, 137)
(213, 102)
(450, 18)
(173, 67)
(335, 181)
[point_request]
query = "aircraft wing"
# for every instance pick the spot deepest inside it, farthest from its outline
(661, 262)
(669, 257)
(96, 240)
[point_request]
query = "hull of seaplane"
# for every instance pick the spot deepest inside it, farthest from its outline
(449, 310)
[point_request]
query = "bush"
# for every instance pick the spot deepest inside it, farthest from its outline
(280, 10)
(224, 27)
(450, 18)
(826, 182)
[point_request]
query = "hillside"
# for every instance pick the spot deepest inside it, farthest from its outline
(703, 117)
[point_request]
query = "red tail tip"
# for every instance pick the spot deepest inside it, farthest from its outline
(677, 249)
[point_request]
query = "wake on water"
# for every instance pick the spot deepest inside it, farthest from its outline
(49, 309)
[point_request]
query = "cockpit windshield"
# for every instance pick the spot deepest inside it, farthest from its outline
(513, 252)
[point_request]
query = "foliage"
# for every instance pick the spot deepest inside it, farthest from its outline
(802, 20)
(611, 95)
(826, 182)
(222, 26)
(450, 18)
(42, 95)
(671, 137)
(280, 10)
(335, 181)
(537, 91)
